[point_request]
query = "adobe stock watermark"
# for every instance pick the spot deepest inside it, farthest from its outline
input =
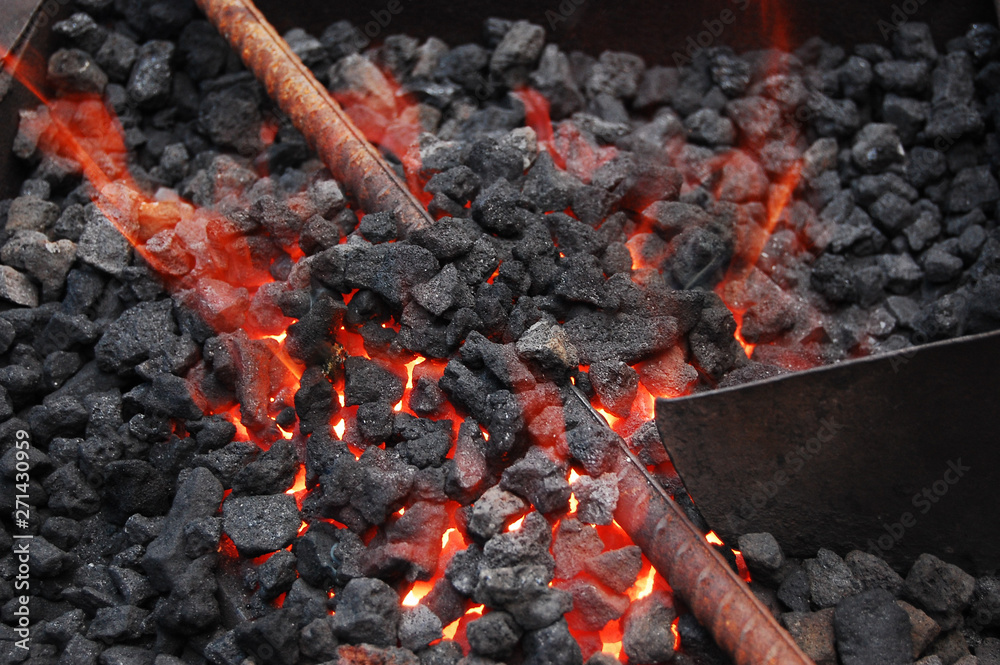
(714, 28)
(22, 540)
(923, 501)
(563, 12)
(795, 460)
(364, 35)
(901, 13)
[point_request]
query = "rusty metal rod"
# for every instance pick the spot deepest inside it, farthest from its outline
(741, 625)
(339, 143)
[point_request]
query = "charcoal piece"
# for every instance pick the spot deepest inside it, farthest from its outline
(518, 49)
(134, 486)
(830, 579)
(876, 147)
(554, 79)
(903, 77)
(271, 639)
(424, 442)
(528, 545)
(317, 641)
(30, 213)
(743, 180)
(984, 305)
(973, 188)
(46, 559)
(418, 627)
(871, 625)
(923, 629)
(813, 632)
(970, 242)
(378, 227)
(117, 55)
(272, 472)
(921, 232)
(495, 209)
(618, 569)
(15, 287)
(757, 118)
(855, 77)
(367, 381)
(626, 337)
(731, 74)
(468, 474)
(140, 333)
(892, 212)
(949, 122)
(549, 346)
(594, 604)
(548, 187)
(593, 445)
(616, 384)
(829, 117)
(230, 117)
(81, 650)
(463, 570)
(543, 608)
(151, 75)
(762, 554)
(260, 524)
(575, 544)
(647, 636)
(447, 239)
(459, 183)
(426, 398)
(494, 162)
(942, 318)
(439, 293)
(111, 624)
(581, 279)
(82, 30)
(510, 585)
(62, 532)
(374, 421)
(386, 479)
(101, 245)
(902, 272)
(277, 574)
(831, 278)
(74, 71)
(940, 266)
(913, 41)
(70, 494)
(707, 127)
(598, 498)
(924, 166)
(494, 635)
(492, 511)
(539, 480)
(552, 645)
(938, 586)
(505, 424)
(907, 114)
(367, 611)
(794, 589)
(191, 606)
(668, 374)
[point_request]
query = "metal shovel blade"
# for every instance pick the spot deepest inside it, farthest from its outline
(897, 455)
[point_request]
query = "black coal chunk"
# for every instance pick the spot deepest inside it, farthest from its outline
(272, 639)
(367, 612)
(261, 524)
(494, 635)
(149, 83)
(647, 637)
(939, 586)
(271, 472)
(424, 442)
(367, 381)
(134, 486)
(598, 336)
(140, 333)
(231, 117)
(553, 645)
(871, 627)
(537, 478)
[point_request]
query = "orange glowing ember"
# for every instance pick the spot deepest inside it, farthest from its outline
(515, 525)
(416, 592)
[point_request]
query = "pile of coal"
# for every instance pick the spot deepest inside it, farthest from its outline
(606, 249)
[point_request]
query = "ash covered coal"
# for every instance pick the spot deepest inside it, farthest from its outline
(267, 426)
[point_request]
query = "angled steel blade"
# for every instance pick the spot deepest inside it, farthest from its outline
(896, 454)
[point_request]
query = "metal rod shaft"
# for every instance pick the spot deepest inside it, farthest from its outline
(339, 143)
(741, 625)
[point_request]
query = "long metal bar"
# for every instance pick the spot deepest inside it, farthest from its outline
(338, 142)
(741, 625)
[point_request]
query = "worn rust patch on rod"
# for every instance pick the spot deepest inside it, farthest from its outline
(338, 142)
(718, 598)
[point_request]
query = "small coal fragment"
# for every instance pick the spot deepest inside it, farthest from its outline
(494, 635)
(261, 524)
(647, 636)
(872, 572)
(762, 553)
(367, 612)
(813, 632)
(938, 586)
(553, 645)
(539, 480)
(871, 627)
(368, 381)
(830, 579)
(598, 498)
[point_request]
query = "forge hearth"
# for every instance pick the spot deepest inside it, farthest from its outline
(263, 416)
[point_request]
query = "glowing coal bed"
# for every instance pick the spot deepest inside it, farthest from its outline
(268, 426)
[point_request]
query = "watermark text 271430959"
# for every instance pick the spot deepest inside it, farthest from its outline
(22, 540)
